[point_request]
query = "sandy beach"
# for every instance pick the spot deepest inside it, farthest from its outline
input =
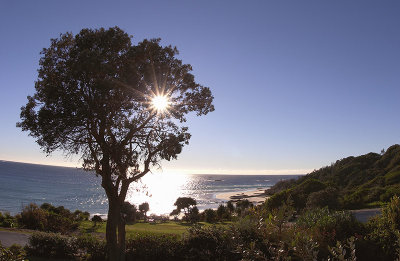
(255, 196)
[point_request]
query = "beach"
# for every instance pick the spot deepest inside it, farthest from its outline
(254, 196)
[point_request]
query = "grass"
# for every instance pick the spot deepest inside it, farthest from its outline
(142, 228)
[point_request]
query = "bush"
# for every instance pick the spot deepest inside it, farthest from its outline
(51, 245)
(48, 218)
(33, 217)
(152, 247)
(97, 218)
(14, 252)
(94, 249)
(7, 220)
(211, 243)
(327, 227)
(384, 229)
(324, 198)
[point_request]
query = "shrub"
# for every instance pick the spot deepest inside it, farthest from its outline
(384, 229)
(33, 217)
(7, 220)
(210, 243)
(48, 218)
(323, 198)
(94, 249)
(327, 227)
(14, 252)
(51, 245)
(96, 219)
(152, 247)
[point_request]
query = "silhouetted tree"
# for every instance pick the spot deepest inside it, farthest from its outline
(185, 203)
(96, 219)
(129, 210)
(94, 96)
(223, 212)
(230, 206)
(175, 213)
(143, 208)
(210, 215)
(194, 215)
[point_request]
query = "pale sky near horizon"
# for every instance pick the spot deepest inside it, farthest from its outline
(297, 84)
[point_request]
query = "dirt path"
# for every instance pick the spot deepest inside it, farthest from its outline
(9, 237)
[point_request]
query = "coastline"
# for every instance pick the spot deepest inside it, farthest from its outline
(254, 196)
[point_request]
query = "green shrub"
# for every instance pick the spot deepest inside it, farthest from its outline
(14, 252)
(210, 243)
(390, 192)
(51, 245)
(48, 218)
(327, 227)
(6, 220)
(323, 198)
(94, 249)
(384, 229)
(152, 247)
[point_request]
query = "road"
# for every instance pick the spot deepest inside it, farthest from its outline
(363, 215)
(8, 238)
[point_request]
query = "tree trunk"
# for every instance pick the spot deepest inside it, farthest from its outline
(121, 237)
(111, 231)
(115, 231)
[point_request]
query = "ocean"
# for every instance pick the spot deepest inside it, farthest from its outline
(23, 183)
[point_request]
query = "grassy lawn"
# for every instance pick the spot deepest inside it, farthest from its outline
(141, 228)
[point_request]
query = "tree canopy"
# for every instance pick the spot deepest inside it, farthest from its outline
(94, 97)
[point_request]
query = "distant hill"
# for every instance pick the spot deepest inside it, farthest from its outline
(353, 182)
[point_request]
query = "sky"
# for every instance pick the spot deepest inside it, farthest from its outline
(297, 84)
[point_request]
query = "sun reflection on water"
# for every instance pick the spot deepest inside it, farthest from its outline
(159, 190)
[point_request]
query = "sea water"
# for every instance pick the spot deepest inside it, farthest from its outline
(22, 183)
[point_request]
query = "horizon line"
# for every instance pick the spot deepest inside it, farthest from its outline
(192, 172)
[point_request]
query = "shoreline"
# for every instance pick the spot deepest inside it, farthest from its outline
(254, 196)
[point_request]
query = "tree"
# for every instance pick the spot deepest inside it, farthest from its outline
(175, 213)
(129, 210)
(143, 208)
(185, 203)
(210, 215)
(96, 219)
(194, 215)
(99, 96)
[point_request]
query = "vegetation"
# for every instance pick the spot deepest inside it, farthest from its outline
(303, 221)
(351, 183)
(262, 234)
(188, 205)
(94, 96)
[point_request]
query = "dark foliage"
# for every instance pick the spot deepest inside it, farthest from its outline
(51, 245)
(50, 218)
(359, 182)
(154, 248)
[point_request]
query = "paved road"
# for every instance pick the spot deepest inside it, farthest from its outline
(363, 215)
(8, 238)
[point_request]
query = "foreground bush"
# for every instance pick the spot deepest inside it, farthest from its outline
(327, 226)
(153, 248)
(91, 248)
(15, 253)
(51, 245)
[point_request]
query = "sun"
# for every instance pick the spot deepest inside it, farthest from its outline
(160, 103)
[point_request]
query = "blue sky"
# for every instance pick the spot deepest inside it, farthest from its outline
(297, 84)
